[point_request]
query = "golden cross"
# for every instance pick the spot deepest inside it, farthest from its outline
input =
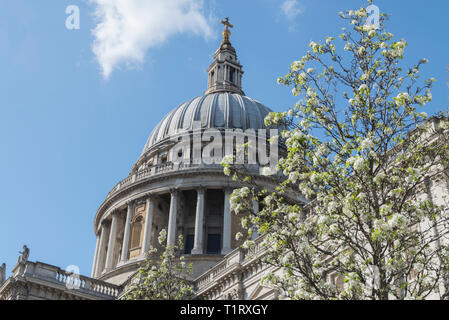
(226, 32)
(227, 24)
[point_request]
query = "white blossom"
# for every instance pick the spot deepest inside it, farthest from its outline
(297, 65)
(367, 144)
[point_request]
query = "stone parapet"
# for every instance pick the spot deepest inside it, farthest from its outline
(37, 280)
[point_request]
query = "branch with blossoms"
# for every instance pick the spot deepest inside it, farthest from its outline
(370, 161)
(163, 278)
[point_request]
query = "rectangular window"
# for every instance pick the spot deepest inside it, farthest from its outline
(189, 243)
(136, 234)
(231, 75)
(213, 243)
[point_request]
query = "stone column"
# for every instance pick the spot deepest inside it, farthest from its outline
(94, 264)
(127, 232)
(101, 251)
(112, 241)
(255, 233)
(199, 220)
(226, 223)
(148, 224)
(171, 236)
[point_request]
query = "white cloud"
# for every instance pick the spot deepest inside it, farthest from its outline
(291, 9)
(126, 29)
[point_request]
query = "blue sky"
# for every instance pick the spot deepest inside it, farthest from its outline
(68, 134)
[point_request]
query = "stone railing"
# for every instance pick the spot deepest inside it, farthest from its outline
(157, 170)
(255, 252)
(216, 271)
(164, 167)
(88, 284)
(234, 260)
(219, 268)
(167, 167)
(68, 281)
(231, 261)
(142, 174)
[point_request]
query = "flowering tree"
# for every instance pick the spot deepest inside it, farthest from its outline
(360, 150)
(164, 279)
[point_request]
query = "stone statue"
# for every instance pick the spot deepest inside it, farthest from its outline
(25, 254)
(2, 273)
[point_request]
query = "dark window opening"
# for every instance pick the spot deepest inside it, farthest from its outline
(231, 75)
(189, 243)
(213, 243)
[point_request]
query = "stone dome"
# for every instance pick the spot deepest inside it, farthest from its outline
(221, 110)
(186, 198)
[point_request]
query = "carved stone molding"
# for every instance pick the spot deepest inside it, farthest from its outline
(201, 189)
(235, 294)
(148, 196)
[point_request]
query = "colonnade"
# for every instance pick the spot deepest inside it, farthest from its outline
(107, 234)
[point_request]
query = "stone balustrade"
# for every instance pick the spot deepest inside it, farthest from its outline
(255, 252)
(126, 181)
(66, 281)
(219, 268)
(144, 173)
(235, 260)
(203, 280)
(86, 283)
(164, 168)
